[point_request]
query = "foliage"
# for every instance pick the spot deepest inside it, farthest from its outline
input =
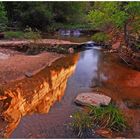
(69, 12)
(100, 37)
(119, 15)
(22, 35)
(81, 123)
(42, 15)
(30, 34)
(108, 117)
(56, 26)
(115, 13)
(14, 34)
(3, 18)
(105, 117)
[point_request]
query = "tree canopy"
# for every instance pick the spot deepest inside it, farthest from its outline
(3, 17)
(40, 15)
(120, 15)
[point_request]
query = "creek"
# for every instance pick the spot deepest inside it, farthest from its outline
(40, 106)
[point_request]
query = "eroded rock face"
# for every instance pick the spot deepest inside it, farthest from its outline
(35, 94)
(92, 98)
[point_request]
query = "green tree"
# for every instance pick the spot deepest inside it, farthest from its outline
(120, 15)
(3, 17)
(40, 15)
(69, 12)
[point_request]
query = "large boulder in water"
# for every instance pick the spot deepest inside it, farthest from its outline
(92, 98)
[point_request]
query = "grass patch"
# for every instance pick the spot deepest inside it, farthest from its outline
(82, 123)
(14, 34)
(108, 117)
(28, 34)
(98, 117)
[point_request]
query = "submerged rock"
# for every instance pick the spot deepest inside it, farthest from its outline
(104, 132)
(92, 98)
(132, 104)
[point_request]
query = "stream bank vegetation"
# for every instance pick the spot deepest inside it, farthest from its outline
(28, 33)
(86, 121)
(120, 21)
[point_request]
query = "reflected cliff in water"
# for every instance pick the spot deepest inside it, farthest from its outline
(36, 94)
(95, 70)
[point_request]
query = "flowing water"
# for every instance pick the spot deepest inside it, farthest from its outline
(40, 106)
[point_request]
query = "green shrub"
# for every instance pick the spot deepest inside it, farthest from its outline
(14, 34)
(100, 37)
(30, 34)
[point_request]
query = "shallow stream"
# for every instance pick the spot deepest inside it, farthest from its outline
(41, 105)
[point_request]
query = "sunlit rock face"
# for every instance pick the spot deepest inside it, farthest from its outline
(34, 95)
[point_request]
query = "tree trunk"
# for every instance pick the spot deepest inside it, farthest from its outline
(126, 35)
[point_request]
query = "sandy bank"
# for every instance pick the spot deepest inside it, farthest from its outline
(15, 65)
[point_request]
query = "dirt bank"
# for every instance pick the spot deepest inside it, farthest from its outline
(15, 65)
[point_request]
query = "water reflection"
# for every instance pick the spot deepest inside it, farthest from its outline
(36, 94)
(39, 93)
(123, 85)
(89, 67)
(106, 73)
